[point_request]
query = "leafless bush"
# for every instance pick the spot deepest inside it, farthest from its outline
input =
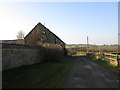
(91, 55)
(53, 52)
(20, 35)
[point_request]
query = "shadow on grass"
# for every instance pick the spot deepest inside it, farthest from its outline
(104, 63)
(42, 75)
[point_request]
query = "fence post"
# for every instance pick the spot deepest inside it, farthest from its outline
(103, 56)
(110, 57)
(118, 64)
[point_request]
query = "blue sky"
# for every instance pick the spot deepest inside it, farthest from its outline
(71, 21)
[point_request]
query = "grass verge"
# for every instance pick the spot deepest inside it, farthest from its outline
(42, 75)
(109, 66)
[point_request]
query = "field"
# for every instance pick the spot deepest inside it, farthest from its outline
(97, 53)
(50, 74)
(79, 47)
(42, 75)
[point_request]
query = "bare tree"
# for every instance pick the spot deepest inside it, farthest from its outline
(20, 35)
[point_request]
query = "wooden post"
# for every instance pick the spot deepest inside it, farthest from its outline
(118, 50)
(87, 44)
(118, 64)
(103, 56)
(110, 57)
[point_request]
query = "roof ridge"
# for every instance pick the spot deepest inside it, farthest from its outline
(44, 27)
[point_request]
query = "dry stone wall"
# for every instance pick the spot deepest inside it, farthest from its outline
(17, 41)
(15, 55)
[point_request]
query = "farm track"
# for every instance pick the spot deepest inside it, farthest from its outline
(88, 74)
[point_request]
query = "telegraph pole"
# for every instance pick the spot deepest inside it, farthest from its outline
(87, 44)
(118, 50)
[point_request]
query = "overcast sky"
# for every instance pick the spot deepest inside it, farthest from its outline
(71, 21)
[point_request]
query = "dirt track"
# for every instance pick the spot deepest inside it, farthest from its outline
(88, 74)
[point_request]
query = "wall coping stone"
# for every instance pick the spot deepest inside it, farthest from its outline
(19, 46)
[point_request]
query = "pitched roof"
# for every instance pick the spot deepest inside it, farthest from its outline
(46, 28)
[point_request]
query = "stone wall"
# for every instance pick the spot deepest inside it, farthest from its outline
(17, 41)
(15, 55)
(41, 34)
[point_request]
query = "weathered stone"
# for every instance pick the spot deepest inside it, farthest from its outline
(41, 34)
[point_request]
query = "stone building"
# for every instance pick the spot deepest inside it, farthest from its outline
(17, 41)
(42, 35)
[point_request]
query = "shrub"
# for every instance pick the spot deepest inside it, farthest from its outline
(91, 55)
(36, 43)
(53, 52)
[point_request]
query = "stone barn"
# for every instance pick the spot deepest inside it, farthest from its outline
(42, 35)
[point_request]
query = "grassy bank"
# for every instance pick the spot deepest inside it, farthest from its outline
(104, 63)
(80, 53)
(109, 66)
(43, 75)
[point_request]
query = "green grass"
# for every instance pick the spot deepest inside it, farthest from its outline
(77, 53)
(109, 66)
(43, 75)
(80, 53)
